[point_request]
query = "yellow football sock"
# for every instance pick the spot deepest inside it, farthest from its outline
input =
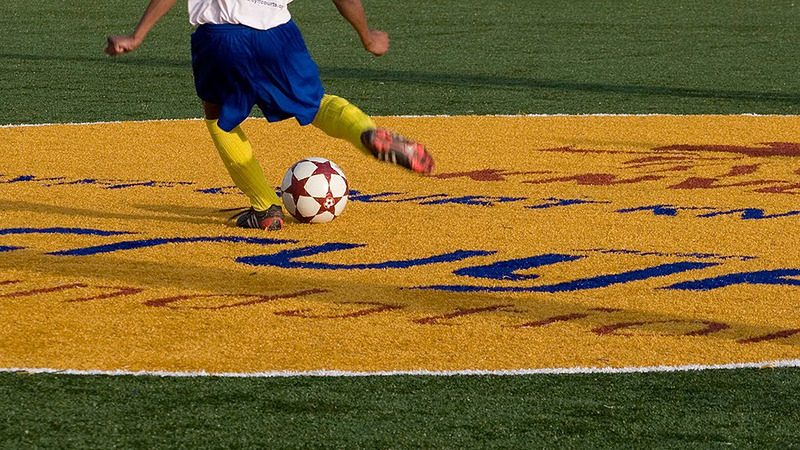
(340, 119)
(237, 155)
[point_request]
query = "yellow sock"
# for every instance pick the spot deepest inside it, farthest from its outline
(340, 119)
(237, 155)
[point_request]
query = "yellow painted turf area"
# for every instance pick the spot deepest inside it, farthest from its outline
(538, 242)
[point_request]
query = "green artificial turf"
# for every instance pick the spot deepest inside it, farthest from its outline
(447, 57)
(710, 409)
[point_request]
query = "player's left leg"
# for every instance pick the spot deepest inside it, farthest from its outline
(245, 171)
(340, 119)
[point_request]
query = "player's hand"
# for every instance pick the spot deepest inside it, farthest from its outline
(121, 44)
(377, 42)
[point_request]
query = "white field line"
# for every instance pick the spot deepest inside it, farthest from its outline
(412, 116)
(344, 373)
(97, 123)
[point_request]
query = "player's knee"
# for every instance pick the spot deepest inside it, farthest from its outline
(332, 103)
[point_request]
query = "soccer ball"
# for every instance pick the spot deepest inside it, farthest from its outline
(314, 190)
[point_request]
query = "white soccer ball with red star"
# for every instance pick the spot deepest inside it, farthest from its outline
(314, 190)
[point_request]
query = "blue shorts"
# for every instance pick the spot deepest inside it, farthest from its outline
(236, 67)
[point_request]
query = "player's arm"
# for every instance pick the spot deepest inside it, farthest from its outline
(124, 44)
(374, 41)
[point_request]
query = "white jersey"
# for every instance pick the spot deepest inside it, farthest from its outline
(260, 14)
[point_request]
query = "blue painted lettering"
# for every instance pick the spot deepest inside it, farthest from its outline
(144, 243)
(584, 283)
(505, 270)
(288, 258)
(776, 277)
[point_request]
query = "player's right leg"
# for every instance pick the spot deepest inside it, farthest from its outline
(340, 119)
(245, 171)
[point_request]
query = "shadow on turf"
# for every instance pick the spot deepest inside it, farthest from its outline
(455, 79)
(164, 213)
(127, 61)
(474, 81)
(416, 309)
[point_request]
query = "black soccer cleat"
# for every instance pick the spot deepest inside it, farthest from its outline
(271, 219)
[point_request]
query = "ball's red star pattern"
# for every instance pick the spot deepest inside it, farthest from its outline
(297, 190)
(327, 203)
(324, 168)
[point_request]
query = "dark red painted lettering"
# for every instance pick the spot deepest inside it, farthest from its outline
(710, 183)
(681, 168)
(710, 327)
(786, 189)
(119, 291)
(486, 174)
(551, 320)
(648, 160)
(377, 307)
(770, 337)
(31, 292)
(767, 149)
(596, 179)
(578, 150)
(742, 170)
(167, 302)
(563, 318)
(608, 310)
(477, 175)
(461, 312)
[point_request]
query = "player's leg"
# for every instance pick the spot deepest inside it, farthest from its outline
(216, 56)
(294, 89)
(340, 119)
(237, 155)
